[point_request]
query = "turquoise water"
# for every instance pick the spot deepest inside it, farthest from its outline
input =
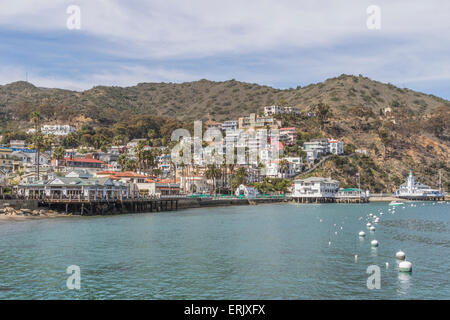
(280, 251)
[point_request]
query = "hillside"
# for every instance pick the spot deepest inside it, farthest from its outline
(203, 99)
(415, 135)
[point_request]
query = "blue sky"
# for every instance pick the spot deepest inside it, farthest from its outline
(277, 43)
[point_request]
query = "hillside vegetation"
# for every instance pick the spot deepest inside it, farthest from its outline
(415, 135)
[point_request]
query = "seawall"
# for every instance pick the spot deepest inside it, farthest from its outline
(19, 204)
(202, 203)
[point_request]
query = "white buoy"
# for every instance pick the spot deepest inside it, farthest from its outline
(372, 228)
(329, 243)
(368, 224)
(362, 234)
(400, 255)
(356, 258)
(387, 265)
(405, 266)
(374, 243)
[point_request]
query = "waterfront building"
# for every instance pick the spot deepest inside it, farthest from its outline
(315, 189)
(158, 188)
(417, 191)
(66, 188)
(352, 195)
(195, 184)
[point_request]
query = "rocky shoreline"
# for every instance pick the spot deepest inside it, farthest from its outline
(10, 213)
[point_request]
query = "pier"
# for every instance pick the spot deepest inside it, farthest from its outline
(81, 206)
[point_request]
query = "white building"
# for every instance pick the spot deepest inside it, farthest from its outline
(230, 125)
(312, 155)
(320, 145)
(315, 187)
(296, 162)
(195, 184)
(417, 190)
(336, 146)
(273, 110)
(57, 129)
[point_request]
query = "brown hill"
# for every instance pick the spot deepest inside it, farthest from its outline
(415, 135)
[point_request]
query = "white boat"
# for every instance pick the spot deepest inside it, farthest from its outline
(395, 203)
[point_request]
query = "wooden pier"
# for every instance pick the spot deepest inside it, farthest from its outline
(81, 206)
(313, 199)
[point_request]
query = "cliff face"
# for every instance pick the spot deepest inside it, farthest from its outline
(401, 129)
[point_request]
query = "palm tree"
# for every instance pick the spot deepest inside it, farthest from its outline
(212, 172)
(139, 152)
(58, 154)
(37, 139)
(122, 160)
(284, 165)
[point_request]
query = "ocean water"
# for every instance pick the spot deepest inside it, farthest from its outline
(280, 251)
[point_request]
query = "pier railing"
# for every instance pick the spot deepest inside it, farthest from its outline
(232, 196)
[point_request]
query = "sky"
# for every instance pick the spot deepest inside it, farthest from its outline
(280, 43)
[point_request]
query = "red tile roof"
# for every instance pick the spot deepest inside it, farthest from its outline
(129, 174)
(107, 172)
(83, 160)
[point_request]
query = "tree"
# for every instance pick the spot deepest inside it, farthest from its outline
(122, 160)
(38, 140)
(213, 172)
(58, 154)
(284, 166)
(139, 152)
(323, 112)
(239, 178)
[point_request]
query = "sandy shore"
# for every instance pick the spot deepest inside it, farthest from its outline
(12, 214)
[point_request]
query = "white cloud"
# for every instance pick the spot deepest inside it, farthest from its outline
(412, 46)
(168, 28)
